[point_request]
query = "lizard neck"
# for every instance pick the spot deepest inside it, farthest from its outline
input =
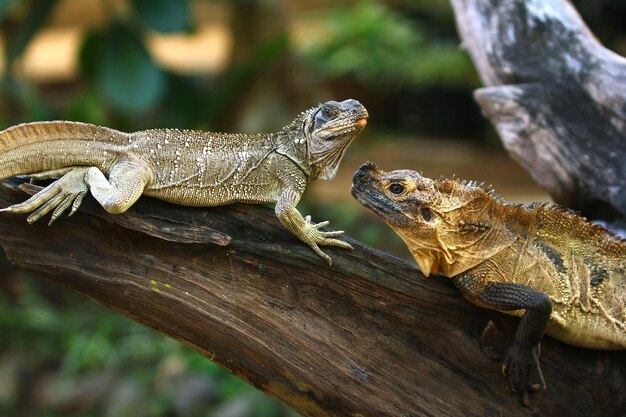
(462, 238)
(294, 145)
(486, 232)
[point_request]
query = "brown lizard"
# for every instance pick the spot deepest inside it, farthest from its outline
(558, 272)
(191, 168)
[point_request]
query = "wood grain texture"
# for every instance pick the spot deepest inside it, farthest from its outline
(368, 337)
(556, 96)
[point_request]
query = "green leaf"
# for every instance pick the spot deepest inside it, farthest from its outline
(126, 74)
(186, 103)
(89, 53)
(237, 78)
(163, 15)
(377, 45)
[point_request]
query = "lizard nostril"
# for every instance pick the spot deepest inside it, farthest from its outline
(360, 174)
(368, 165)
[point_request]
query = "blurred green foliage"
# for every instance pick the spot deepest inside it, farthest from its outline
(378, 45)
(77, 337)
(20, 35)
(121, 83)
(163, 15)
(123, 71)
(368, 42)
(6, 6)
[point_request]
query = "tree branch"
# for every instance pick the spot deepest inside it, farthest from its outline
(369, 336)
(556, 96)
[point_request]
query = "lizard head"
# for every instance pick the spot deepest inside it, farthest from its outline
(329, 129)
(446, 224)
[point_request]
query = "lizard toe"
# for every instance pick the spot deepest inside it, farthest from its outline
(45, 208)
(77, 202)
(332, 233)
(525, 397)
(320, 253)
(33, 202)
(337, 243)
(320, 224)
(520, 362)
(61, 208)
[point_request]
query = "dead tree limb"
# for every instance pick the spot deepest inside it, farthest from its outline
(556, 96)
(368, 337)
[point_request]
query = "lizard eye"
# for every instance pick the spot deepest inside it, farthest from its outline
(426, 214)
(396, 188)
(323, 116)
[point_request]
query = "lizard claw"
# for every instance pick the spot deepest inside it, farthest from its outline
(337, 243)
(332, 233)
(520, 362)
(77, 202)
(317, 250)
(329, 242)
(315, 238)
(320, 224)
(59, 196)
(316, 226)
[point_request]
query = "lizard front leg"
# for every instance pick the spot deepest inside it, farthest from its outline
(303, 228)
(125, 185)
(522, 358)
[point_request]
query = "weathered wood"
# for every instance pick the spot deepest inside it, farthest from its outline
(556, 96)
(368, 337)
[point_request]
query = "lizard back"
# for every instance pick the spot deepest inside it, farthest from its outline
(589, 292)
(206, 168)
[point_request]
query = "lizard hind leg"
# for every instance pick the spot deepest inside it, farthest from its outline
(125, 185)
(68, 191)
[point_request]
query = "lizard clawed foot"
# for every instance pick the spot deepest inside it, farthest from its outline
(315, 238)
(62, 194)
(520, 362)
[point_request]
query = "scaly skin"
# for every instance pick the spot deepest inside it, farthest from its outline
(558, 272)
(184, 167)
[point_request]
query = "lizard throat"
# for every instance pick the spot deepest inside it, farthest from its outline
(429, 259)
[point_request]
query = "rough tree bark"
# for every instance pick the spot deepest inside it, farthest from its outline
(368, 337)
(556, 96)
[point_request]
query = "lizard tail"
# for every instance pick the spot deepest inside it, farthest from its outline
(42, 146)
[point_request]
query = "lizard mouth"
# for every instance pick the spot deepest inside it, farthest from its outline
(361, 122)
(350, 129)
(375, 202)
(368, 199)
